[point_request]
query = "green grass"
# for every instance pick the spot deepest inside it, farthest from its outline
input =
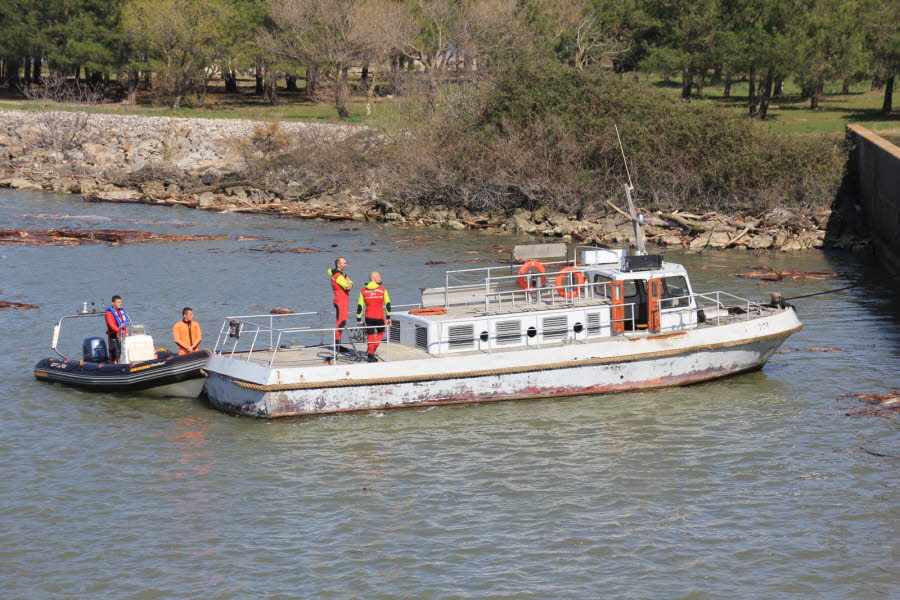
(791, 114)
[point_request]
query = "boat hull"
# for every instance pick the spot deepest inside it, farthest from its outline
(607, 366)
(168, 375)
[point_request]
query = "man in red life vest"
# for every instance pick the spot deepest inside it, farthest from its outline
(341, 286)
(376, 302)
(117, 323)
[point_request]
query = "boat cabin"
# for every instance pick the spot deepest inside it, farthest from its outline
(596, 293)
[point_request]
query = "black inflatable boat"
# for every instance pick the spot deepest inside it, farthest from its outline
(149, 369)
(164, 370)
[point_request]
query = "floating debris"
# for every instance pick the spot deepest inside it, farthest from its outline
(270, 249)
(82, 237)
(281, 311)
(767, 275)
(882, 405)
(18, 305)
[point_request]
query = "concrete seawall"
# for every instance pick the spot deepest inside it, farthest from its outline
(876, 163)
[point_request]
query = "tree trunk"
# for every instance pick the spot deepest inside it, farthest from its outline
(312, 81)
(751, 91)
(259, 83)
(12, 73)
(37, 69)
(877, 83)
(133, 82)
(431, 97)
(765, 94)
(290, 83)
(845, 86)
(231, 82)
(27, 71)
(176, 103)
(814, 94)
(272, 92)
(687, 82)
(364, 77)
(340, 92)
(726, 93)
(779, 88)
(888, 106)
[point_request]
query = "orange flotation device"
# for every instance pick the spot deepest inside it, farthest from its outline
(429, 310)
(572, 292)
(528, 267)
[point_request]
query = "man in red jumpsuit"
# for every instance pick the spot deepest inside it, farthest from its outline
(117, 323)
(341, 286)
(375, 301)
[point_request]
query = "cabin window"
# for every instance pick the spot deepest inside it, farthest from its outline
(422, 337)
(629, 289)
(461, 336)
(593, 323)
(554, 328)
(601, 286)
(673, 289)
(509, 332)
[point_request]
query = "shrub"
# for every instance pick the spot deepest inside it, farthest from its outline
(543, 135)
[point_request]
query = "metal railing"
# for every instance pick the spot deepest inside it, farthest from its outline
(245, 335)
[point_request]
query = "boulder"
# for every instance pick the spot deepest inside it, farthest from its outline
(118, 195)
(719, 239)
(521, 223)
(18, 183)
(455, 225)
(206, 199)
(761, 242)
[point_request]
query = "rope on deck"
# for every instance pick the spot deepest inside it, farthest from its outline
(281, 387)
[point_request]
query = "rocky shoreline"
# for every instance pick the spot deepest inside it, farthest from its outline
(196, 163)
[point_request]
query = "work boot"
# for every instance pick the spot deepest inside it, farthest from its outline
(371, 358)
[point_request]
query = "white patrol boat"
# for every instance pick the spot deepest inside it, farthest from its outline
(598, 321)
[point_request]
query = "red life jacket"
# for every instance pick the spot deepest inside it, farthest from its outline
(376, 301)
(341, 295)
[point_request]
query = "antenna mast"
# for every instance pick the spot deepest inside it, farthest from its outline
(636, 219)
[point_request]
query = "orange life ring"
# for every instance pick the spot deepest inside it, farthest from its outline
(429, 310)
(523, 272)
(561, 282)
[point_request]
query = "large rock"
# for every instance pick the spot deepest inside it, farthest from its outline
(761, 242)
(521, 222)
(18, 183)
(118, 195)
(206, 199)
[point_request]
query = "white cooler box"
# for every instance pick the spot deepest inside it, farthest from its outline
(137, 348)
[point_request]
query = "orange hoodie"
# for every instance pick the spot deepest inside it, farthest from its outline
(187, 336)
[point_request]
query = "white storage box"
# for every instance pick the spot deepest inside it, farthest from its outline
(137, 348)
(602, 257)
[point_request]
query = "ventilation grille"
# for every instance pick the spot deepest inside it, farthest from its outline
(554, 327)
(395, 332)
(461, 336)
(593, 323)
(509, 332)
(422, 337)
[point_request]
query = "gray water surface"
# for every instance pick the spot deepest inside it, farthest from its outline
(755, 486)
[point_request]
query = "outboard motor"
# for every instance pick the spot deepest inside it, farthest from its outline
(94, 350)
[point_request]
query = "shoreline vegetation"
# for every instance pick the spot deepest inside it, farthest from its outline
(486, 114)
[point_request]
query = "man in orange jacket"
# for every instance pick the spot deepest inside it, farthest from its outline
(187, 333)
(375, 302)
(341, 286)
